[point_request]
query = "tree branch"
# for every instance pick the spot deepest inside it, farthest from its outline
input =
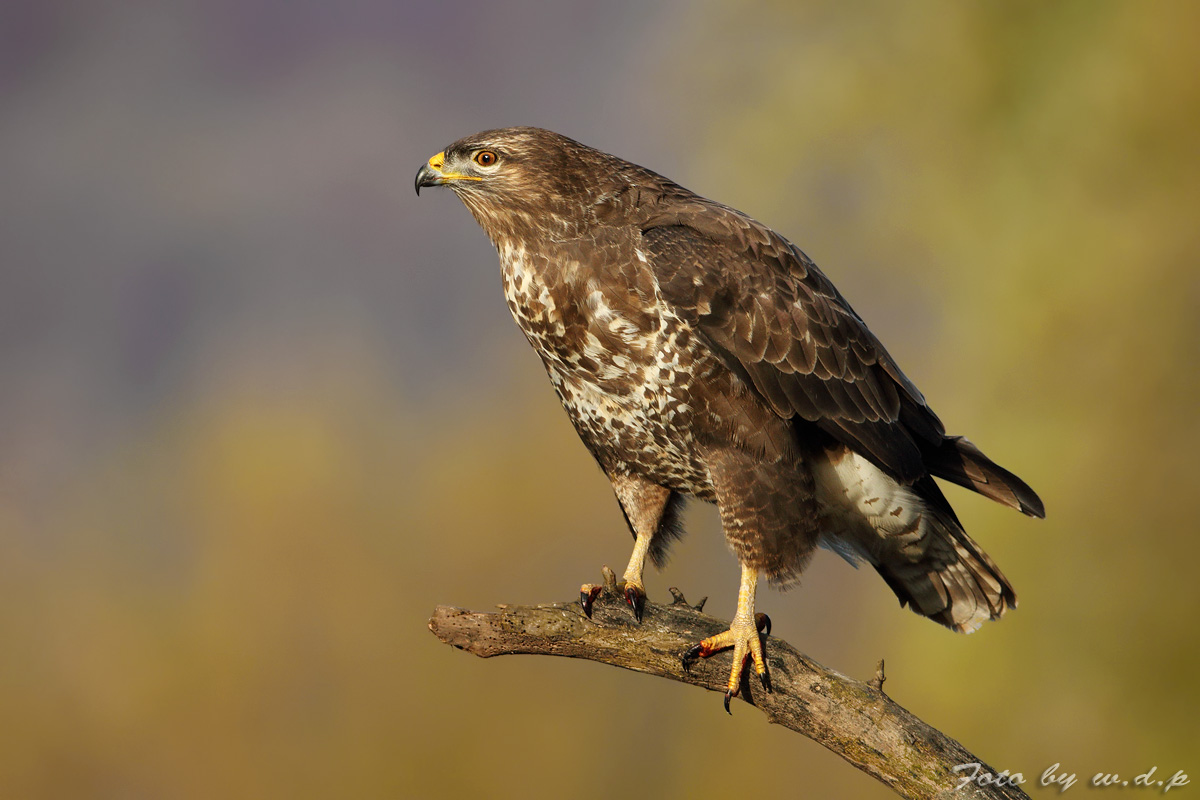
(855, 720)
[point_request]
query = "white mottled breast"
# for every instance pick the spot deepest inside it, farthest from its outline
(624, 381)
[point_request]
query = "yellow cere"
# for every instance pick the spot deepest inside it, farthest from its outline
(438, 161)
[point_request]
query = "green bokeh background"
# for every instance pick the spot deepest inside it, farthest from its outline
(261, 409)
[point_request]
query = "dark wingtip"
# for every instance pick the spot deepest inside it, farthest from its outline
(1028, 502)
(1032, 505)
(958, 460)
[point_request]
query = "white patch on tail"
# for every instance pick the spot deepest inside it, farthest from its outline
(868, 511)
(873, 517)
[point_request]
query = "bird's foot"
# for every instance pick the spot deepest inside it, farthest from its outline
(631, 589)
(590, 591)
(633, 592)
(635, 596)
(587, 596)
(746, 639)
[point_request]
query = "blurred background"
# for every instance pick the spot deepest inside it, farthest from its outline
(261, 409)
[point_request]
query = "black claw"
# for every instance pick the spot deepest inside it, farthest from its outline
(636, 599)
(763, 623)
(728, 696)
(586, 598)
(765, 677)
(690, 656)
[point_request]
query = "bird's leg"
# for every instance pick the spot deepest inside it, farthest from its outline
(631, 582)
(743, 636)
(644, 504)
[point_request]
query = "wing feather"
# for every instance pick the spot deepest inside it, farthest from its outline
(767, 310)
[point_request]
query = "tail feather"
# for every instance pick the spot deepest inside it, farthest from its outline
(949, 579)
(959, 461)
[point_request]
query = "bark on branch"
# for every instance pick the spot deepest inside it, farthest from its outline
(855, 720)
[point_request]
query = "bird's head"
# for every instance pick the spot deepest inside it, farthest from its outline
(513, 176)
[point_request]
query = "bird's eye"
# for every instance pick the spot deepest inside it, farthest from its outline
(485, 158)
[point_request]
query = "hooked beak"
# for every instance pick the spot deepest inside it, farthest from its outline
(427, 176)
(431, 173)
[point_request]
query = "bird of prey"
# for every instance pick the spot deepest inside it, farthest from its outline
(700, 354)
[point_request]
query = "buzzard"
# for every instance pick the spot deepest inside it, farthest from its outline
(700, 354)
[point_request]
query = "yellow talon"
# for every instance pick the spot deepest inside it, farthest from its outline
(743, 636)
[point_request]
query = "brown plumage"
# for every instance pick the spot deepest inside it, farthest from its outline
(699, 353)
